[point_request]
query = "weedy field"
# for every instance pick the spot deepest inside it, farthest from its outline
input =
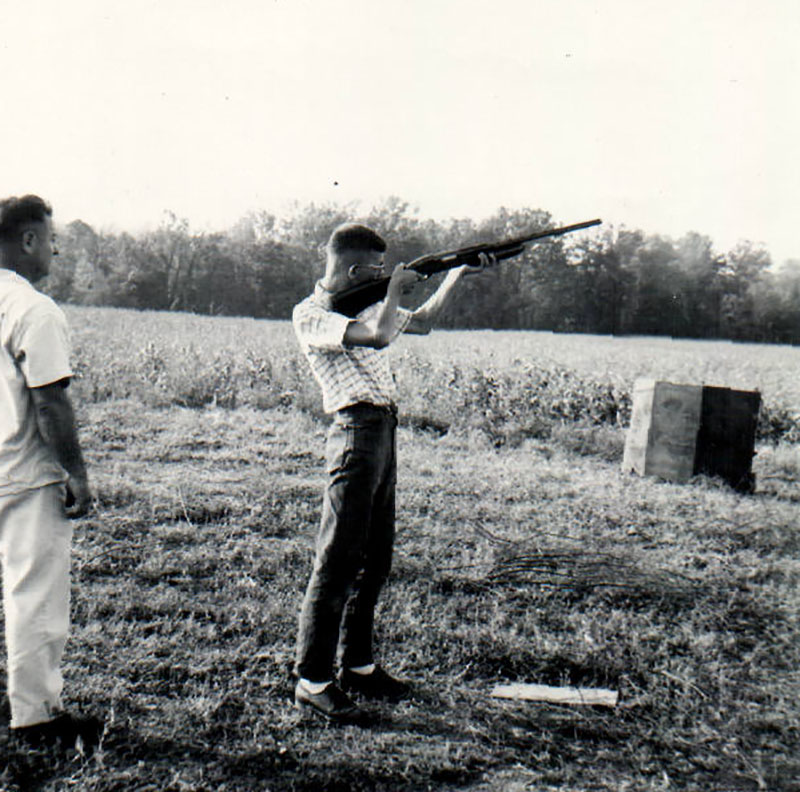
(523, 555)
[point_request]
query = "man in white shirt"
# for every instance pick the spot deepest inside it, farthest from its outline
(42, 480)
(354, 549)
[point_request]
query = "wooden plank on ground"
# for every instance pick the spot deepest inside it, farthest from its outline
(557, 695)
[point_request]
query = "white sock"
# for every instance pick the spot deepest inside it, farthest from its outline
(364, 670)
(314, 687)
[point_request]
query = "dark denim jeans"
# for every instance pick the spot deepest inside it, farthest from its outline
(354, 547)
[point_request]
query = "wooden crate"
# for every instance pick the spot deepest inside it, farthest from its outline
(678, 431)
(662, 438)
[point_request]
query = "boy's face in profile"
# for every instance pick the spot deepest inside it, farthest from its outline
(367, 266)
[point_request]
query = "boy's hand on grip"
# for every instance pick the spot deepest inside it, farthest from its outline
(402, 278)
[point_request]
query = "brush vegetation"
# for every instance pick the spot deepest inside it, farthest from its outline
(523, 555)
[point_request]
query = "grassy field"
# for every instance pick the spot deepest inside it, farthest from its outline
(523, 555)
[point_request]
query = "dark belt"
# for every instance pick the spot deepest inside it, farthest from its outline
(367, 408)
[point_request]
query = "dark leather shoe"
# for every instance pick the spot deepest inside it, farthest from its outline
(64, 731)
(331, 703)
(377, 685)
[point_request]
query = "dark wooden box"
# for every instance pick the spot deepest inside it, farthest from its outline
(727, 435)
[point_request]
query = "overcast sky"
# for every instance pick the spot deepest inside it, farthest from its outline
(668, 116)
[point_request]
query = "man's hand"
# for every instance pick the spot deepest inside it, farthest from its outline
(79, 497)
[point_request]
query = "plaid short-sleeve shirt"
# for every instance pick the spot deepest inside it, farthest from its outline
(346, 374)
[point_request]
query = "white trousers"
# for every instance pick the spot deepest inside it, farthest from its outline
(35, 541)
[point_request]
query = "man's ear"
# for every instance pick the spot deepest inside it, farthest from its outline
(29, 240)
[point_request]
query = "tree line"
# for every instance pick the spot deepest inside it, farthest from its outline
(611, 281)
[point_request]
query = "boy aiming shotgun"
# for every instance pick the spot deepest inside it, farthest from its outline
(345, 345)
(354, 547)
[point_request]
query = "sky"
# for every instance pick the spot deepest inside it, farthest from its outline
(669, 116)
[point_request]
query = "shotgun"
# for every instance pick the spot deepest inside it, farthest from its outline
(352, 301)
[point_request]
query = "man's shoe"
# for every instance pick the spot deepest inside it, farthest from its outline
(331, 703)
(377, 685)
(64, 731)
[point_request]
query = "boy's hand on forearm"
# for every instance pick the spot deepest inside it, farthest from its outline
(485, 261)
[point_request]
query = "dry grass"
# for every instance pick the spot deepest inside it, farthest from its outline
(189, 575)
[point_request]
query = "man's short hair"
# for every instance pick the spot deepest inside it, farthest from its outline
(16, 213)
(352, 236)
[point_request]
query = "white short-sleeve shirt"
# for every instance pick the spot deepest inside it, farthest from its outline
(346, 374)
(34, 351)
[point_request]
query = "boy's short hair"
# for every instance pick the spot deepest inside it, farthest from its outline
(352, 236)
(16, 213)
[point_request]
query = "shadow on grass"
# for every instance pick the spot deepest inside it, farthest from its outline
(306, 757)
(319, 769)
(482, 735)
